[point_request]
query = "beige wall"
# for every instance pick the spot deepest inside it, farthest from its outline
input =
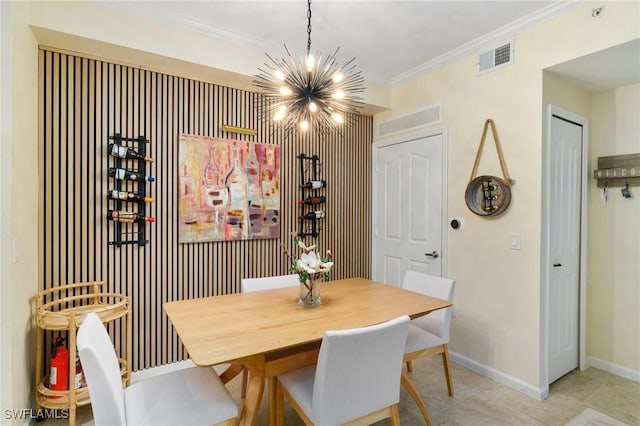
(20, 282)
(498, 289)
(613, 293)
(565, 94)
(5, 197)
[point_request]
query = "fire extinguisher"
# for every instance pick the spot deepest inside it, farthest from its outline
(59, 376)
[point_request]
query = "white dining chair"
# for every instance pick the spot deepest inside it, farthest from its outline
(191, 396)
(429, 334)
(356, 379)
(249, 285)
(265, 283)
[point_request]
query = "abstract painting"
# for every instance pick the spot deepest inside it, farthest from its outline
(228, 189)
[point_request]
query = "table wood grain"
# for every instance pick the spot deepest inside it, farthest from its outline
(265, 329)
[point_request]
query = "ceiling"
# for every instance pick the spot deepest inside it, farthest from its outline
(391, 40)
(607, 69)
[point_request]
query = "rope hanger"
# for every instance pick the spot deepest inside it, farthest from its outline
(496, 139)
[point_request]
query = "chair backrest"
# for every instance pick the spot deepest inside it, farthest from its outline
(437, 322)
(358, 371)
(265, 283)
(102, 372)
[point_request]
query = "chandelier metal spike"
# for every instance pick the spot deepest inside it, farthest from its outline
(310, 94)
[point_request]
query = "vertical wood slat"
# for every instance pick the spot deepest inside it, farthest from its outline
(84, 101)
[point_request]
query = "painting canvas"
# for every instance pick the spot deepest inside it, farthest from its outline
(228, 189)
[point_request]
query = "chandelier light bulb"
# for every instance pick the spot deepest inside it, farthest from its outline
(313, 107)
(304, 125)
(337, 77)
(285, 91)
(338, 118)
(310, 62)
(281, 112)
(338, 94)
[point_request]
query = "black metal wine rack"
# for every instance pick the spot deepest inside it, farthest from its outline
(310, 172)
(130, 233)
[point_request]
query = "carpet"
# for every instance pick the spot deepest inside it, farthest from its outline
(591, 417)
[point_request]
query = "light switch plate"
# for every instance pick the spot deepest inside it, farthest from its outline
(515, 241)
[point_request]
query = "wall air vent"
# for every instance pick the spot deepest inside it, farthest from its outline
(499, 56)
(424, 117)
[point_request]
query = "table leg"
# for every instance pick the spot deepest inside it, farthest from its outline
(232, 371)
(273, 407)
(408, 385)
(255, 390)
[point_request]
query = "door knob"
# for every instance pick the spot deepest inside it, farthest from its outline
(433, 254)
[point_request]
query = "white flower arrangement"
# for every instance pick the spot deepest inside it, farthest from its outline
(309, 264)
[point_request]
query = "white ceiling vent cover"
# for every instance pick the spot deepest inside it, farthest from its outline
(420, 118)
(499, 56)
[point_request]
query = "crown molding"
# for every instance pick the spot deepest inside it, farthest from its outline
(506, 32)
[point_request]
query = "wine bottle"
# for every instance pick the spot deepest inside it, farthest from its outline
(189, 181)
(124, 174)
(315, 184)
(211, 182)
(129, 217)
(236, 181)
(318, 214)
(128, 196)
(270, 183)
(313, 200)
(489, 186)
(254, 185)
(126, 152)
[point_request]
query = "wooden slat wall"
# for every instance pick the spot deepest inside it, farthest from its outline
(84, 101)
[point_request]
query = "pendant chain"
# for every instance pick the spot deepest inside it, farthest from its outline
(308, 26)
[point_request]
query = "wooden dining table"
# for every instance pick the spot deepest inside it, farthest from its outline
(268, 333)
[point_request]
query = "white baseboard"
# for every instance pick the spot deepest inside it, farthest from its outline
(498, 376)
(612, 368)
(531, 390)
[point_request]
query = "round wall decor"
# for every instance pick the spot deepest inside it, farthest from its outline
(487, 195)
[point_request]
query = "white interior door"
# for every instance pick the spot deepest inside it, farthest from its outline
(408, 209)
(565, 157)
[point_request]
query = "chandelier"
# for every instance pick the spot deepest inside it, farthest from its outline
(310, 94)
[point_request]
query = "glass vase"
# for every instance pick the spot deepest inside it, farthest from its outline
(310, 292)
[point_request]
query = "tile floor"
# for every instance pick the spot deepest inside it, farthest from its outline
(481, 401)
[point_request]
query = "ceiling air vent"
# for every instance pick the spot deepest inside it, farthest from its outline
(498, 57)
